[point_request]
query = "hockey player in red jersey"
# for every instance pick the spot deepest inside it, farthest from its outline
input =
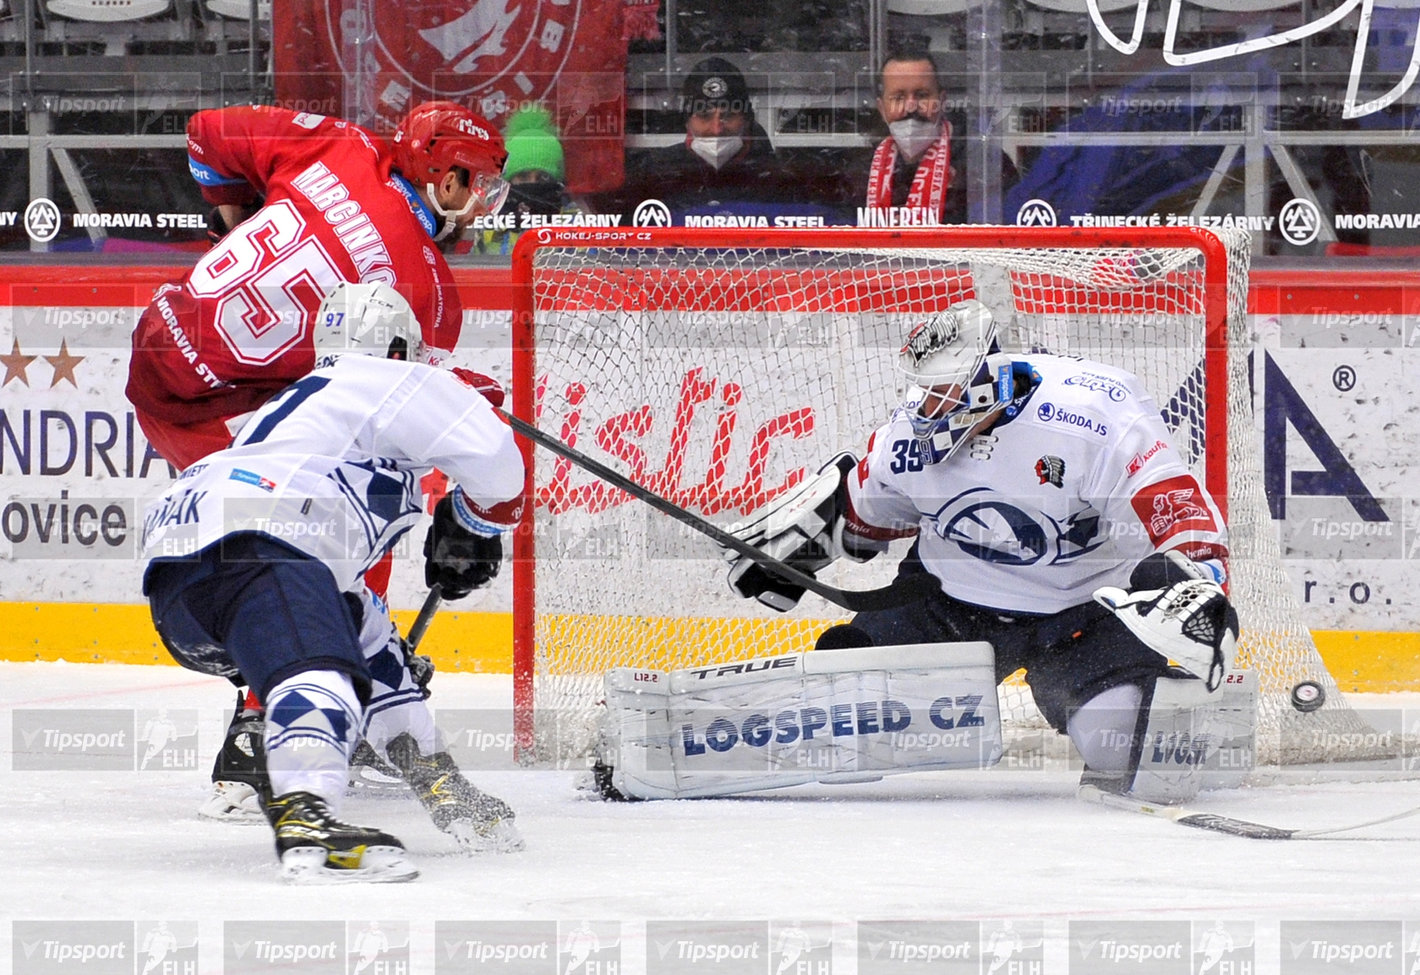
(340, 204)
(337, 203)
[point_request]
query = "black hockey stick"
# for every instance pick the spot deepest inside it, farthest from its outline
(1227, 824)
(425, 617)
(903, 590)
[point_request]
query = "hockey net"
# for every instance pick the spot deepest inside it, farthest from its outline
(718, 367)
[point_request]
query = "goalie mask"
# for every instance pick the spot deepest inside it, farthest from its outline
(366, 319)
(956, 376)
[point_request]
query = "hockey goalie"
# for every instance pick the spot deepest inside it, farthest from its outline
(1067, 538)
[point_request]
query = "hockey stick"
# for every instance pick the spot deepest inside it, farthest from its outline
(425, 617)
(903, 590)
(1227, 824)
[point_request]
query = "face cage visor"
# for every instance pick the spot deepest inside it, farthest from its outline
(943, 415)
(488, 189)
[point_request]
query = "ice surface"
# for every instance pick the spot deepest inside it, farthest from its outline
(986, 847)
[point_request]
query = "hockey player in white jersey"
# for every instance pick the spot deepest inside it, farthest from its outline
(1064, 529)
(256, 557)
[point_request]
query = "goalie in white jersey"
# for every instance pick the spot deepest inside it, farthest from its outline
(1047, 499)
(256, 574)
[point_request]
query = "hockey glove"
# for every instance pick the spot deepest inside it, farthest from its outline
(486, 386)
(421, 667)
(458, 559)
(1184, 616)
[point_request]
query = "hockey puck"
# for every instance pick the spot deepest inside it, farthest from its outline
(1308, 695)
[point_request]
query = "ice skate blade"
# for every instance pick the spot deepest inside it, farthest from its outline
(501, 837)
(309, 865)
(232, 802)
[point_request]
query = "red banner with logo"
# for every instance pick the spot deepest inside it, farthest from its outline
(372, 61)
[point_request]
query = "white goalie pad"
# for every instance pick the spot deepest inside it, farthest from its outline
(1196, 739)
(847, 715)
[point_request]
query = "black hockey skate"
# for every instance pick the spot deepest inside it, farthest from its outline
(239, 782)
(316, 848)
(481, 823)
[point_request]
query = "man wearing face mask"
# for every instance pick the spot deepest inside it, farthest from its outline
(725, 165)
(913, 168)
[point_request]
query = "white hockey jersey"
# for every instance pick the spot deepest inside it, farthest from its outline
(1063, 495)
(332, 464)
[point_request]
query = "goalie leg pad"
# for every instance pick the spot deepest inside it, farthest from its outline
(847, 715)
(1158, 750)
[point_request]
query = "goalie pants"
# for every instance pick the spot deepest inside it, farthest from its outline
(257, 612)
(1069, 657)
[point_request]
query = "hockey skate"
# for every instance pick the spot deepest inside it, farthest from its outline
(481, 823)
(374, 778)
(239, 780)
(316, 848)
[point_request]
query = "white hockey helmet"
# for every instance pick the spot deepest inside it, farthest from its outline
(956, 374)
(366, 319)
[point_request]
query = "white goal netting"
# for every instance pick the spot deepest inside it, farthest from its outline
(718, 368)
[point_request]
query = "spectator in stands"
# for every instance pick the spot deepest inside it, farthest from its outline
(918, 165)
(725, 165)
(536, 172)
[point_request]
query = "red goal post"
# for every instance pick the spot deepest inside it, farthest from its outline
(717, 366)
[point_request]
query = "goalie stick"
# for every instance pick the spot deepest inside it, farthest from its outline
(1227, 824)
(900, 592)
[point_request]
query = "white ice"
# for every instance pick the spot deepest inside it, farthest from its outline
(973, 846)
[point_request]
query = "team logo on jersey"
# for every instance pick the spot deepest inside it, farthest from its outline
(1173, 506)
(1051, 470)
(1137, 462)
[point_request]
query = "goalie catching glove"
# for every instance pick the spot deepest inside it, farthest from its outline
(1178, 611)
(804, 529)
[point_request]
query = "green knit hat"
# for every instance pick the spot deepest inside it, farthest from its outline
(531, 140)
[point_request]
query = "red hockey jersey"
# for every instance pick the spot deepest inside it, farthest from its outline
(238, 327)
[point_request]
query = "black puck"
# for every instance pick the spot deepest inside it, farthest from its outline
(1308, 695)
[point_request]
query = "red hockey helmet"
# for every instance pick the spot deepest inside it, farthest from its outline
(437, 135)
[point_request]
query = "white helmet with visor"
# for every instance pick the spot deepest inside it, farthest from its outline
(956, 374)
